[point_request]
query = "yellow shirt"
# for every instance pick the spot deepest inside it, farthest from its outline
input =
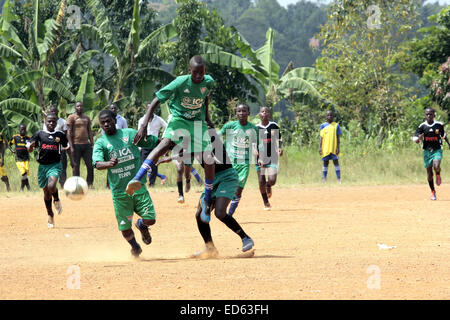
(329, 133)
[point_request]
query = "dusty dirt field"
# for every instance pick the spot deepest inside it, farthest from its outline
(316, 243)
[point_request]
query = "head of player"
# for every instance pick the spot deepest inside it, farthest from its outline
(22, 130)
(107, 122)
(429, 115)
(51, 121)
(197, 69)
(329, 116)
(53, 109)
(79, 108)
(242, 113)
(113, 108)
(265, 115)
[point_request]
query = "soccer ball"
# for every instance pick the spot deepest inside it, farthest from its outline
(75, 188)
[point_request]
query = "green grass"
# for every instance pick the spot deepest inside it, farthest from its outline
(298, 167)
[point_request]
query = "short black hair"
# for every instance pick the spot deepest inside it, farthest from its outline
(106, 112)
(268, 108)
(430, 108)
(245, 105)
(197, 60)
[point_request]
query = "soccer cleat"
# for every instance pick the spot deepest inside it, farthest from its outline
(247, 244)
(145, 232)
(205, 215)
(132, 187)
(180, 199)
(136, 251)
(51, 222)
(438, 180)
(187, 187)
(267, 206)
(58, 206)
(433, 195)
(210, 252)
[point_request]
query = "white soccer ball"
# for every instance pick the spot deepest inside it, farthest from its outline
(75, 188)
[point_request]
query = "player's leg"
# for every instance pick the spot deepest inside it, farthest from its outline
(180, 170)
(149, 164)
(6, 182)
(196, 175)
(431, 182)
(48, 206)
(437, 157)
(124, 210)
(204, 228)
(271, 179)
(76, 160)
(325, 170)
(63, 176)
(206, 201)
(143, 206)
(261, 172)
(337, 168)
(53, 175)
(236, 199)
(243, 171)
(187, 176)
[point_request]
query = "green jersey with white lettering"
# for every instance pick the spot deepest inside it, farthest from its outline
(240, 140)
(121, 146)
(187, 98)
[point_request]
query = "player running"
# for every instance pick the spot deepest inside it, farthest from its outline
(241, 136)
(189, 96)
(50, 143)
(114, 151)
(431, 133)
(224, 188)
(19, 141)
(268, 150)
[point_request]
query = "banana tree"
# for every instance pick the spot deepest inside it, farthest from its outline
(127, 61)
(24, 96)
(261, 66)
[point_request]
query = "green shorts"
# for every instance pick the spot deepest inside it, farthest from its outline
(224, 185)
(46, 171)
(242, 170)
(429, 156)
(188, 133)
(125, 206)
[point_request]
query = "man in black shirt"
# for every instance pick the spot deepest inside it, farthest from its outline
(431, 133)
(50, 144)
(224, 187)
(22, 156)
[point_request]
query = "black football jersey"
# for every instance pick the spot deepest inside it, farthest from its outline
(49, 144)
(270, 138)
(20, 144)
(433, 134)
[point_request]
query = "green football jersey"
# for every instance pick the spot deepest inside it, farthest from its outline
(121, 146)
(240, 140)
(187, 98)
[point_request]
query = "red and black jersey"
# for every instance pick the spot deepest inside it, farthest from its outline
(49, 144)
(270, 138)
(433, 133)
(20, 143)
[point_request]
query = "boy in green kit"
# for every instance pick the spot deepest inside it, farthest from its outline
(241, 139)
(187, 128)
(116, 152)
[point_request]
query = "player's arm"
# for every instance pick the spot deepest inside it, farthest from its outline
(419, 135)
(320, 146)
(32, 143)
(142, 132)
(280, 142)
(338, 138)
(103, 165)
(98, 159)
(70, 124)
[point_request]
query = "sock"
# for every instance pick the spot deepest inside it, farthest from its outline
(208, 190)
(204, 229)
(132, 240)
(232, 224)
(180, 187)
(431, 183)
(48, 206)
(27, 184)
(324, 172)
(196, 175)
(233, 206)
(147, 166)
(264, 196)
(55, 195)
(338, 172)
(161, 176)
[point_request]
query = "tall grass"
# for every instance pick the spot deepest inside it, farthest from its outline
(364, 164)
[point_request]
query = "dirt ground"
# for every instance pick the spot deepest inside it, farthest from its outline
(316, 243)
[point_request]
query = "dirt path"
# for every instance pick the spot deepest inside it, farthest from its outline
(316, 243)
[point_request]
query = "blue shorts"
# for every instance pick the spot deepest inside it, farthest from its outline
(331, 156)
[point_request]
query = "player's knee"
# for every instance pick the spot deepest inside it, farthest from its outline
(128, 234)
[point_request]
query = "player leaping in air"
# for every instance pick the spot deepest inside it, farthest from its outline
(188, 126)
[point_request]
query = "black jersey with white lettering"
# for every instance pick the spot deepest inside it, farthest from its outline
(49, 144)
(21, 147)
(270, 138)
(433, 134)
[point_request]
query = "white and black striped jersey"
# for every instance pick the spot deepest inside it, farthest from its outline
(270, 142)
